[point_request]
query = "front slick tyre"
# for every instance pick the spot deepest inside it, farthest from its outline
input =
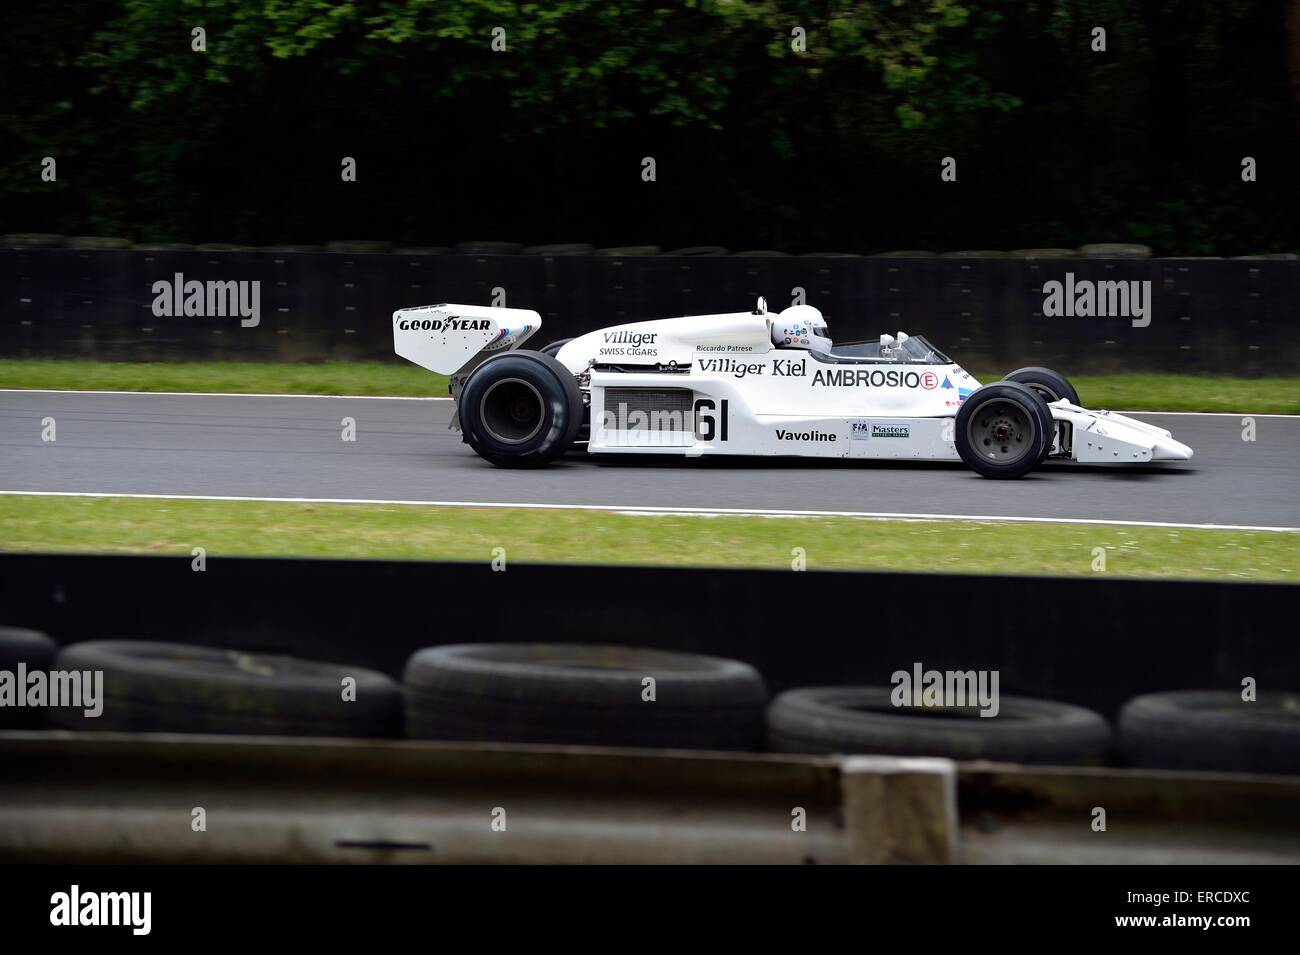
(520, 410)
(1052, 385)
(1003, 430)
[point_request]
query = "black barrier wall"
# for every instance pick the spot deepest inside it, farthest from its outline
(1206, 316)
(1089, 641)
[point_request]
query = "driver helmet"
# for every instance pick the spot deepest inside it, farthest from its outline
(801, 326)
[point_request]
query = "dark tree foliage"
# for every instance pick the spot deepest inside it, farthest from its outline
(833, 146)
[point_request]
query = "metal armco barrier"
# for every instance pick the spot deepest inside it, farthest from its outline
(126, 798)
(1207, 316)
(1136, 636)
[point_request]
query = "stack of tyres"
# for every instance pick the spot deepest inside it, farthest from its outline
(864, 719)
(580, 694)
(1213, 730)
(177, 688)
(32, 650)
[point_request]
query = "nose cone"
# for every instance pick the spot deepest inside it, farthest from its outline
(1167, 449)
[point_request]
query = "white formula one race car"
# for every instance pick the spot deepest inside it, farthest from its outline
(752, 383)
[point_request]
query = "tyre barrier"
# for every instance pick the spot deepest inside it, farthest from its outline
(583, 695)
(699, 250)
(1115, 250)
(99, 242)
(1212, 730)
(359, 245)
(177, 688)
(1092, 250)
(863, 719)
(33, 240)
(560, 248)
(599, 695)
(488, 248)
(625, 250)
(35, 651)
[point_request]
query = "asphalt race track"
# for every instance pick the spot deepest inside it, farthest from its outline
(290, 447)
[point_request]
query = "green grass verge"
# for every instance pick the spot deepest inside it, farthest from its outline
(398, 379)
(121, 525)
(1157, 392)
(1154, 392)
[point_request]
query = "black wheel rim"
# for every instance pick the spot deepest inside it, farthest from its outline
(511, 410)
(1048, 394)
(1002, 431)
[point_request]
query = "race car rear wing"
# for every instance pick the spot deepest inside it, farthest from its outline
(453, 339)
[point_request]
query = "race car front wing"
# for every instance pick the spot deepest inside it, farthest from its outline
(1100, 437)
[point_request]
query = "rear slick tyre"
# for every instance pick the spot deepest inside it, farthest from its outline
(553, 348)
(521, 410)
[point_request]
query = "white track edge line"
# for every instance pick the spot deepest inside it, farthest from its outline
(666, 511)
(222, 394)
(1210, 414)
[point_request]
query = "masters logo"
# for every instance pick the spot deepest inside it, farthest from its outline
(890, 431)
(864, 430)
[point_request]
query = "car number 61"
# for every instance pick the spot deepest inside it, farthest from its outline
(707, 426)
